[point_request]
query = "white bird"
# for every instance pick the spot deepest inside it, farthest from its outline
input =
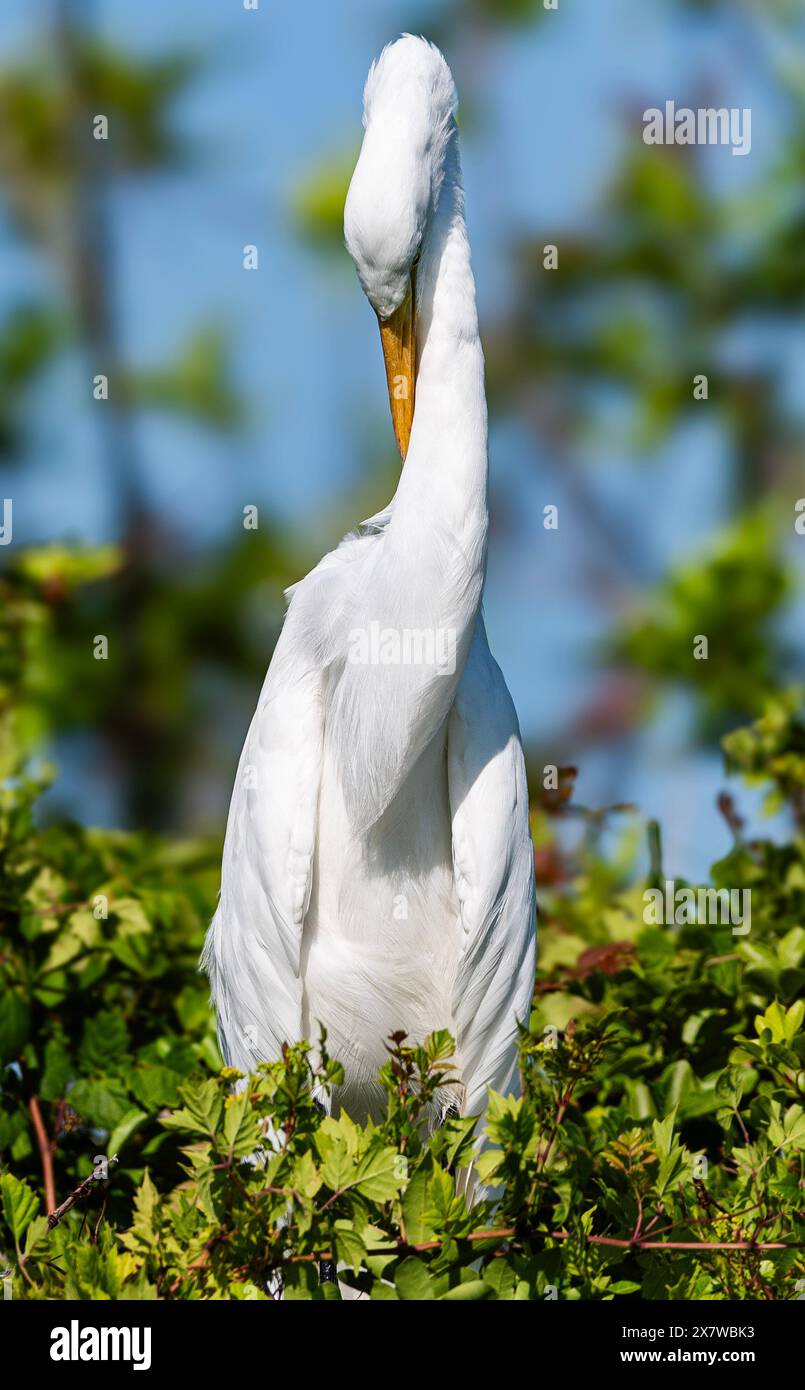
(378, 871)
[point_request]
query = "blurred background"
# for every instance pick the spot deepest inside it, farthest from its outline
(233, 389)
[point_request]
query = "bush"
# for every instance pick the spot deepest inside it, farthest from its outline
(656, 1149)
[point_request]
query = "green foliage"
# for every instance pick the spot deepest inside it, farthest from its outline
(317, 204)
(102, 1014)
(773, 748)
(731, 598)
(656, 1146)
(29, 337)
(55, 599)
(38, 108)
(196, 384)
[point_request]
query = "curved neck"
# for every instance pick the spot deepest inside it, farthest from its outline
(426, 575)
(444, 479)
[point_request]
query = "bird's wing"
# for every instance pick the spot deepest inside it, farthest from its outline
(253, 947)
(493, 864)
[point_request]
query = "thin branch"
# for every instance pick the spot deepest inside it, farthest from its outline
(694, 1244)
(44, 1145)
(705, 1220)
(78, 1194)
(506, 1232)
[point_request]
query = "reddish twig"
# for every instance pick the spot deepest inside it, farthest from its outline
(690, 1244)
(506, 1232)
(45, 1147)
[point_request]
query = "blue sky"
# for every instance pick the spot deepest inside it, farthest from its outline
(280, 93)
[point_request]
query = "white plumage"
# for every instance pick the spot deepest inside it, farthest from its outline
(378, 871)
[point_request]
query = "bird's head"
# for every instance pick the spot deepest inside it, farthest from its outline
(409, 105)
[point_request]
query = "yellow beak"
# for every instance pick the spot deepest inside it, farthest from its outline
(398, 336)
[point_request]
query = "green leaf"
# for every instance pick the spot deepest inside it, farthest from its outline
(383, 1293)
(146, 1201)
(440, 1046)
(774, 1020)
(671, 1170)
(350, 1249)
(794, 1127)
(103, 1104)
(201, 1110)
(241, 1126)
(415, 1202)
(123, 1130)
(473, 1290)
(500, 1277)
(156, 1087)
(105, 1041)
(337, 1169)
(793, 1019)
(15, 1023)
(57, 1071)
(664, 1133)
(458, 1132)
(377, 1175)
(35, 1235)
(306, 1177)
(19, 1204)
(412, 1280)
(71, 566)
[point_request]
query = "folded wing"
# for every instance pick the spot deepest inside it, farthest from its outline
(253, 947)
(494, 873)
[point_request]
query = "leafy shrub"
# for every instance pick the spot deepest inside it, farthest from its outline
(656, 1149)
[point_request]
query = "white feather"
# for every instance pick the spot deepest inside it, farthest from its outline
(378, 876)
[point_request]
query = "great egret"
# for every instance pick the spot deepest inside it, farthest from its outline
(378, 872)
